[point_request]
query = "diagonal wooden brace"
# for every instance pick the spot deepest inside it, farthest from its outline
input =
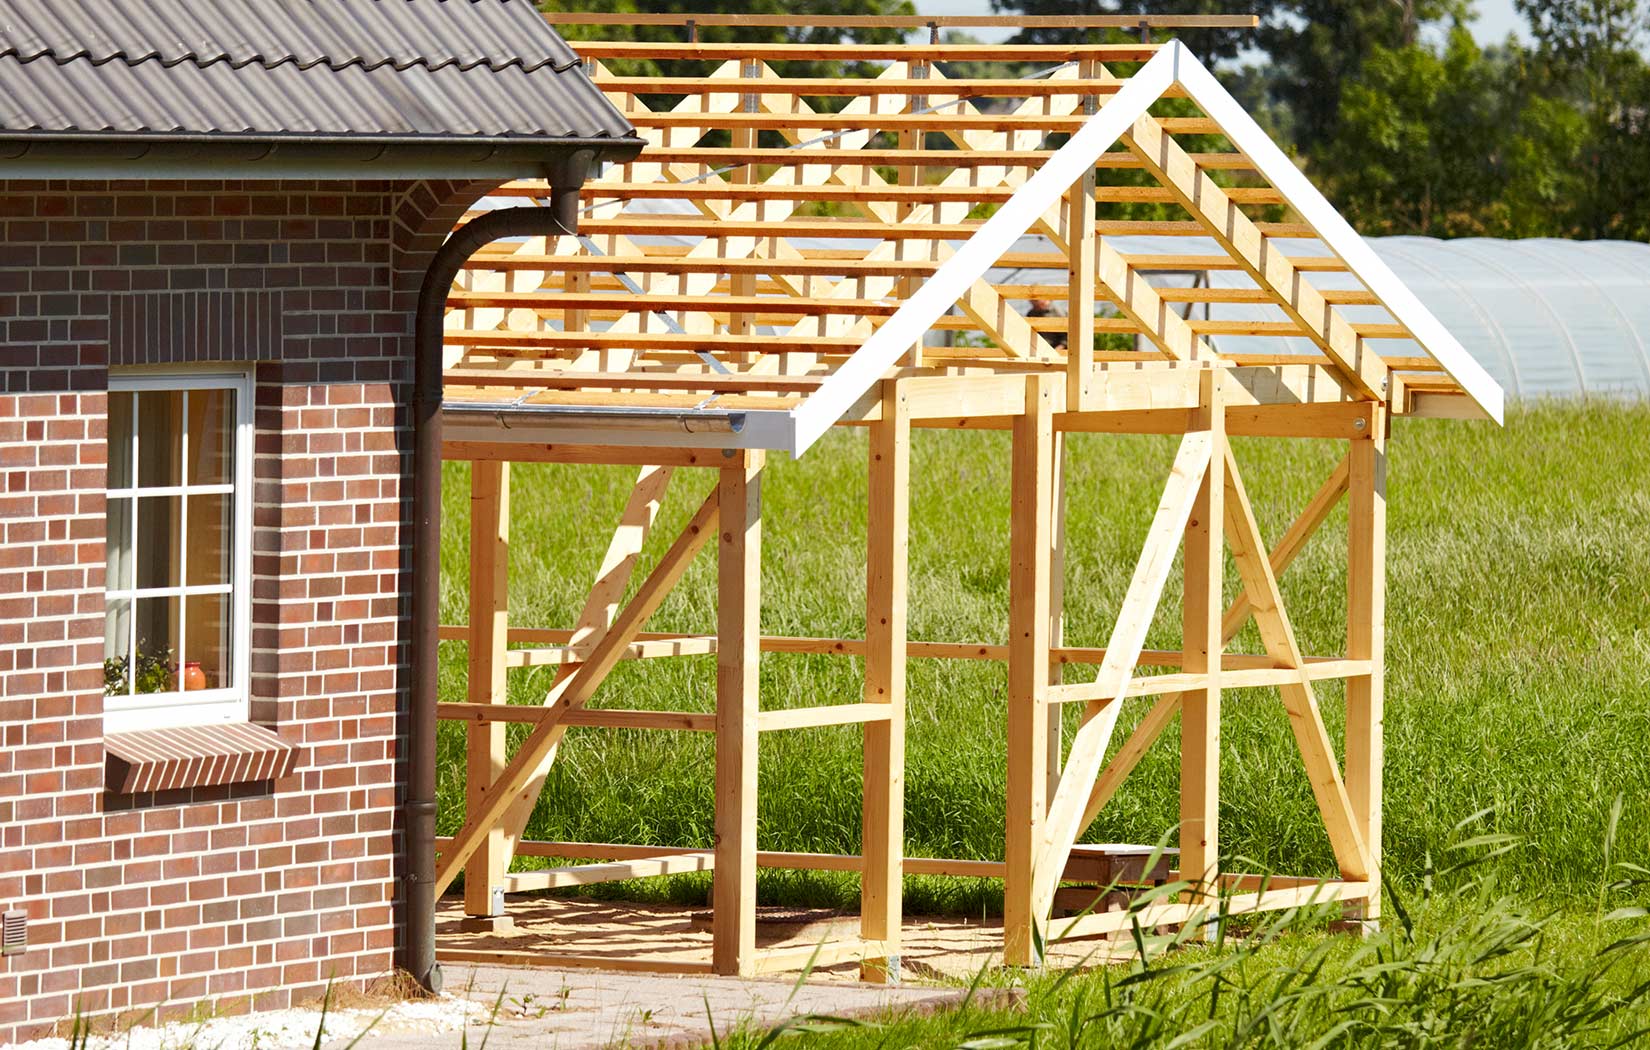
(601, 605)
(1147, 731)
(1088, 746)
(511, 784)
(1278, 636)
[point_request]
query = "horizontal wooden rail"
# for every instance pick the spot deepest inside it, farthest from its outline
(587, 717)
(693, 50)
(801, 20)
(892, 122)
(700, 644)
(596, 225)
(640, 380)
(717, 189)
(1327, 892)
(973, 869)
(649, 341)
(694, 264)
(641, 301)
(1230, 678)
(824, 715)
(725, 156)
(961, 87)
(1310, 263)
(610, 871)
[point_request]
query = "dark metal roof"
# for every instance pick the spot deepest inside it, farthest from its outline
(436, 69)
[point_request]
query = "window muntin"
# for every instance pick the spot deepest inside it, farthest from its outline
(177, 589)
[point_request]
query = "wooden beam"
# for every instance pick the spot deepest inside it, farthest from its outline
(1237, 614)
(1305, 719)
(1203, 560)
(820, 715)
(1366, 640)
(485, 753)
(1303, 528)
(617, 569)
(1030, 543)
(679, 51)
(612, 871)
(963, 869)
(1140, 602)
(512, 786)
(1141, 304)
(738, 632)
(1324, 893)
(886, 594)
(1081, 274)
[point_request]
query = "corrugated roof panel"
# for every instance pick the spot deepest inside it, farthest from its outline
(483, 68)
(398, 33)
(219, 99)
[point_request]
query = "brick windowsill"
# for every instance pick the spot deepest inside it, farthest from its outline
(195, 756)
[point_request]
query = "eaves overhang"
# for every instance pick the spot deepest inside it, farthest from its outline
(101, 155)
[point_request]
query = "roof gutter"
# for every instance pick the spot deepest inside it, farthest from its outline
(566, 176)
(96, 155)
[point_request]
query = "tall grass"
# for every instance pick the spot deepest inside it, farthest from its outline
(1518, 650)
(1462, 965)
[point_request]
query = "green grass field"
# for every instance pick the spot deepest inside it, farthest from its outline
(1518, 672)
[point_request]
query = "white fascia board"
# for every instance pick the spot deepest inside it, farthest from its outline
(764, 429)
(1334, 231)
(980, 252)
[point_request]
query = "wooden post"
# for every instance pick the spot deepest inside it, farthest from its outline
(886, 576)
(738, 648)
(489, 623)
(1030, 548)
(1201, 620)
(1366, 640)
(1080, 266)
(1056, 608)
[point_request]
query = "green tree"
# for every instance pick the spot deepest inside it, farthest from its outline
(1592, 51)
(1315, 47)
(1210, 45)
(1452, 142)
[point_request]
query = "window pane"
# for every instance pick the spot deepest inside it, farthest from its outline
(211, 437)
(211, 537)
(157, 541)
(117, 647)
(154, 670)
(160, 437)
(117, 545)
(120, 439)
(206, 642)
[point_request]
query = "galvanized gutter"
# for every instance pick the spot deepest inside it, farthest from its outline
(93, 155)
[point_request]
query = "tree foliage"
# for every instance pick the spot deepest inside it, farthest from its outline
(1411, 127)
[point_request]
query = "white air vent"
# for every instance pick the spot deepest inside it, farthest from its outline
(14, 932)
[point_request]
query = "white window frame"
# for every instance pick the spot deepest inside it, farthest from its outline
(224, 703)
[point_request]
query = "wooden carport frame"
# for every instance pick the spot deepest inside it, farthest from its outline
(609, 400)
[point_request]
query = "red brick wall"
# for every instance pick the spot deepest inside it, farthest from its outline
(252, 894)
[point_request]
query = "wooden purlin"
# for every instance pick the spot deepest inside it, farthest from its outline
(754, 232)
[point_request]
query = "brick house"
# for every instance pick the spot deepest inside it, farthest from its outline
(217, 216)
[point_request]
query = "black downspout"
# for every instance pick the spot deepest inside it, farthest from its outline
(418, 941)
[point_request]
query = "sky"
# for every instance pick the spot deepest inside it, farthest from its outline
(1496, 18)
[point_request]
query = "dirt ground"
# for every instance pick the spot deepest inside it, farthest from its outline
(935, 950)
